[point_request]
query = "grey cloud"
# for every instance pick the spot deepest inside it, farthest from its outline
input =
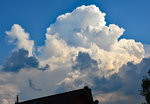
(84, 64)
(132, 75)
(32, 85)
(105, 85)
(84, 61)
(20, 59)
(126, 82)
(44, 68)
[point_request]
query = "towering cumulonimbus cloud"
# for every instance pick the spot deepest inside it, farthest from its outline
(20, 38)
(85, 30)
(80, 49)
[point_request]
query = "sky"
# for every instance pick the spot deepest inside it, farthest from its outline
(48, 47)
(35, 16)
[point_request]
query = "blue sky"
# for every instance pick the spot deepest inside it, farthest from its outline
(64, 52)
(35, 16)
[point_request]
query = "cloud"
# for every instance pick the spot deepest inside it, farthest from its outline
(8, 93)
(147, 50)
(18, 60)
(31, 84)
(84, 61)
(85, 68)
(122, 87)
(80, 49)
(20, 38)
(130, 77)
(85, 30)
(4, 101)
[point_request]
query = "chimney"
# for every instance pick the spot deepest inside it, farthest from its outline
(96, 102)
(17, 99)
(86, 88)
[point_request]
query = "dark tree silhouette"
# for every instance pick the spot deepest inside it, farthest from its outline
(145, 91)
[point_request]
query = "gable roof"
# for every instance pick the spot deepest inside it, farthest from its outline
(63, 98)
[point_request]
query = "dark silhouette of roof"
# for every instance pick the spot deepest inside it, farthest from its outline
(81, 96)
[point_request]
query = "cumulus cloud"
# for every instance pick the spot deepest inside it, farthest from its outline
(147, 50)
(29, 84)
(20, 38)
(20, 60)
(85, 68)
(4, 101)
(8, 93)
(85, 30)
(80, 49)
(122, 87)
(84, 61)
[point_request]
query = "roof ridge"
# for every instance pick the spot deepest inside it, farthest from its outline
(84, 89)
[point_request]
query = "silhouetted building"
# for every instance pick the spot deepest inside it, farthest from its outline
(81, 96)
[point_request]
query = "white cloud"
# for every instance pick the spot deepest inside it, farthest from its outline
(20, 38)
(4, 101)
(147, 50)
(12, 84)
(117, 98)
(85, 30)
(8, 93)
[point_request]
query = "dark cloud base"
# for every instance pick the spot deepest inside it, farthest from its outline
(20, 60)
(127, 81)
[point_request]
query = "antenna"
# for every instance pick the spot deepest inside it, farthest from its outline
(17, 99)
